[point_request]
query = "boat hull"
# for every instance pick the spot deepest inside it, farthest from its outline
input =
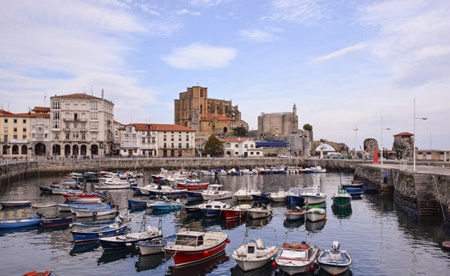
(9, 224)
(185, 258)
(85, 236)
(127, 241)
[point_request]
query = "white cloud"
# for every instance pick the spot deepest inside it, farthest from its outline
(257, 36)
(298, 11)
(188, 12)
(200, 56)
(206, 3)
(341, 52)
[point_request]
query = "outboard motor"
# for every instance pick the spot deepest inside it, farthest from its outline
(336, 245)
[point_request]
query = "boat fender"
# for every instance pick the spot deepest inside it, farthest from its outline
(95, 214)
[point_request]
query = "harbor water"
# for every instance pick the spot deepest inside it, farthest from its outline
(380, 237)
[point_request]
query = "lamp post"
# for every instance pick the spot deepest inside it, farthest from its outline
(381, 146)
(414, 135)
(356, 131)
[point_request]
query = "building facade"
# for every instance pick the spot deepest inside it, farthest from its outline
(241, 147)
(81, 125)
(15, 139)
(195, 110)
(278, 123)
(157, 140)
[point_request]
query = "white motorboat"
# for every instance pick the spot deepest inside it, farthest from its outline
(259, 212)
(296, 257)
(316, 214)
(254, 254)
(334, 261)
(279, 196)
(295, 214)
(246, 193)
(313, 195)
(215, 192)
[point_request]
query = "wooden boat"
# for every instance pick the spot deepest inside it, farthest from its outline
(279, 196)
(296, 258)
(355, 192)
(235, 212)
(71, 207)
(192, 184)
(138, 203)
(246, 193)
(354, 184)
(294, 196)
(15, 203)
(57, 221)
(43, 205)
(192, 247)
(130, 239)
(258, 212)
(83, 198)
(94, 211)
(215, 192)
(35, 273)
(334, 261)
(96, 233)
(213, 208)
(16, 223)
(316, 214)
(342, 198)
(295, 214)
(154, 246)
(253, 254)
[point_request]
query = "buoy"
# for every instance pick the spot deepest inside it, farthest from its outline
(274, 264)
(446, 245)
(205, 253)
(311, 267)
(228, 240)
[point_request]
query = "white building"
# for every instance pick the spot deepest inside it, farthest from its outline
(40, 136)
(157, 140)
(81, 125)
(241, 147)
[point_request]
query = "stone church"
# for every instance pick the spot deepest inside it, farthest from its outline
(208, 116)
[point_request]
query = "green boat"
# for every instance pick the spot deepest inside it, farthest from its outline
(342, 198)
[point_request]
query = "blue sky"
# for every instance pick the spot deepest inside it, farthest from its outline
(345, 64)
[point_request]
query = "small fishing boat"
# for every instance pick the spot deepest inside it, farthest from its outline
(354, 184)
(213, 208)
(154, 246)
(316, 214)
(294, 196)
(191, 247)
(166, 205)
(194, 196)
(235, 212)
(192, 184)
(342, 198)
(16, 223)
(279, 196)
(295, 214)
(130, 239)
(138, 203)
(56, 221)
(215, 192)
(246, 193)
(43, 205)
(253, 254)
(94, 211)
(296, 257)
(258, 212)
(83, 198)
(35, 273)
(334, 261)
(313, 195)
(356, 193)
(15, 203)
(93, 234)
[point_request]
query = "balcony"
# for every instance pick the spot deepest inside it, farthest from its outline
(76, 120)
(18, 141)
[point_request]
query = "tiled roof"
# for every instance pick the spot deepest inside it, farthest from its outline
(403, 134)
(4, 112)
(41, 108)
(161, 127)
(234, 140)
(219, 117)
(78, 96)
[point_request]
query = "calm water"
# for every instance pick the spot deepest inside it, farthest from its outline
(381, 239)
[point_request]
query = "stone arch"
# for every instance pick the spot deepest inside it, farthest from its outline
(40, 149)
(66, 150)
(56, 150)
(338, 147)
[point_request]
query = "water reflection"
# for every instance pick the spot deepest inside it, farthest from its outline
(150, 261)
(293, 223)
(342, 212)
(265, 270)
(258, 223)
(80, 248)
(315, 226)
(200, 268)
(115, 255)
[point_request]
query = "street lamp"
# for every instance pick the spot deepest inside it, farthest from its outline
(356, 131)
(381, 146)
(414, 135)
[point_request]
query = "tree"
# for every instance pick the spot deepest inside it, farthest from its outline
(240, 131)
(307, 127)
(213, 146)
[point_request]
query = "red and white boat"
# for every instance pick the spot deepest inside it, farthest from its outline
(238, 211)
(192, 184)
(192, 247)
(83, 198)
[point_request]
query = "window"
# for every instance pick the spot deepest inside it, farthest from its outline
(24, 121)
(165, 138)
(236, 145)
(187, 145)
(55, 115)
(187, 137)
(55, 105)
(93, 105)
(15, 121)
(83, 136)
(75, 125)
(94, 116)
(6, 121)
(24, 136)
(15, 129)
(171, 137)
(179, 145)
(56, 136)
(24, 129)
(56, 124)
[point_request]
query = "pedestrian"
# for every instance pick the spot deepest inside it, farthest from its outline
(385, 177)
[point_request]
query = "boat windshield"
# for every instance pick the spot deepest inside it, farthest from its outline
(186, 240)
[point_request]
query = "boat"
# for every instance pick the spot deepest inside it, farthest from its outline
(253, 254)
(212, 208)
(138, 203)
(294, 196)
(354, 184)
(246, 193)
(342, 198)
(166, 205)
(192, 184)
(83, 198)
(356, 193)
(56, 221)
(93, 234)
(262, 198)
(259, 212)
(215, 192)
(158, 190)
(194, 196)
(296, 257)
(313, 195)
(154, 246)
(130, 240)
(316, 214)
(35, 273)
(191, 247)
(94, 211)
(279, 196)
(238, 211)
(15, 203)
(334, 261)
(295, 214)
(16, 223)
(43, 205)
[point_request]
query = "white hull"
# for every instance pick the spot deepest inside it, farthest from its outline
(85, 214)
(257, 214)
(253, 255)
(150, 250)
(223, 195)
(250, 265)
(314, 199)
(315, 214)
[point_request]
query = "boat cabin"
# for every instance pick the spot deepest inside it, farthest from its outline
(214, 188)
(189, 240)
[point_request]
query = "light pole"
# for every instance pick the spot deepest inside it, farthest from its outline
(381, 146)
(356, 131)
(414, 135)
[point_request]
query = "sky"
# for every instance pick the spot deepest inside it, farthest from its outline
(355, 69)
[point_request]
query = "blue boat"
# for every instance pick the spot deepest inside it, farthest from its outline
(294, 196)
(49, 222)
(16, 223)
(262, 198)
(95, 234)
(137, 203)
(194, 196)
(161, 206)
(355, 192)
